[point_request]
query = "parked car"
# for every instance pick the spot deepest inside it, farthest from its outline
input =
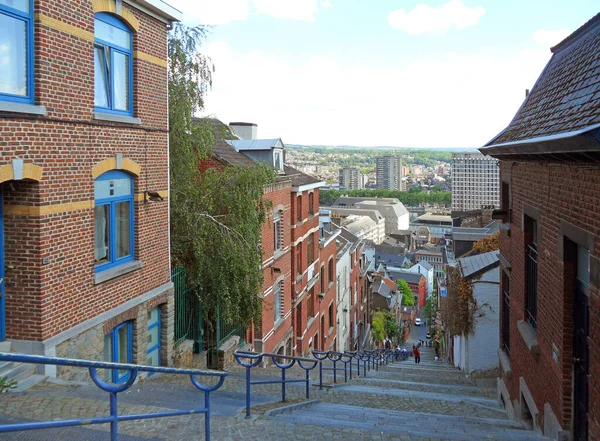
(418, 322)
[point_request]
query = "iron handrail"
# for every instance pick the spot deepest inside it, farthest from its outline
(113, 389)
(257, 358)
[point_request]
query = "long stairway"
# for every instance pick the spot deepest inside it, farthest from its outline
(430, 400)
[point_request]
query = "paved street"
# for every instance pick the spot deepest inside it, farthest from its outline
(401, 401)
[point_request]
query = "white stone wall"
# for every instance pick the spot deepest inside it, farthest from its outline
(482, 346)
(343, 272)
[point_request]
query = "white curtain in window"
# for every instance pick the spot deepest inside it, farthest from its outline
(101, 233)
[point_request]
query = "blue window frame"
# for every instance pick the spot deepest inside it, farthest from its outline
(113, 65)
(154, 331)
(16, 51)
(118, 344)
(113, 220)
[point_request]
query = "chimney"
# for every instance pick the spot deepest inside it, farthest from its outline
(244, 130)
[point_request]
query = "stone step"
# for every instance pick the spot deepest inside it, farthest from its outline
(5, 366)
(18, 372)
(28, 383)
(413, 424)
(487, 403)
(5, 346)
(419, 385)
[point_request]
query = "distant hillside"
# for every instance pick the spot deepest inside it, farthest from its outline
(379, 148)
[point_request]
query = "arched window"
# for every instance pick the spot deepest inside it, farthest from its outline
(118, 348)
(113, 219)
(113, 66)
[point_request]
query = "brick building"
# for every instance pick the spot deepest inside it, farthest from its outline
(84, 179)
(550, 245)
(306, 259)
(274, 332)
(416, 282)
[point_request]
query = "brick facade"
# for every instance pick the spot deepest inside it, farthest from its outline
(305, 222)
(546, 192)
(51, 284)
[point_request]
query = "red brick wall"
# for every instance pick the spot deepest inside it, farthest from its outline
(280, 199)
(560, 192)
(46, 299)
(300, 279)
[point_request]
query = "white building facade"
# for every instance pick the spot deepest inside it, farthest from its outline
(475, 181)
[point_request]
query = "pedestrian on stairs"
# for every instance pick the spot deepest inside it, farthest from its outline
(417, 354)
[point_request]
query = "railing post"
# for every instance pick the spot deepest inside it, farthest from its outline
(248, 391)
(307, 385)
(283, 385)
(207, 415)
(114, 414)
(334, 371)
(320, 374)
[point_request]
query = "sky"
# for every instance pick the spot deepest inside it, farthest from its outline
(426, 73)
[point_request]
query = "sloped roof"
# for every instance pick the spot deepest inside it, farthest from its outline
(409, 277)
(473, 265)
(425, 265)
(562, 112)
(255, 144)
(298, 178)
(221, 149)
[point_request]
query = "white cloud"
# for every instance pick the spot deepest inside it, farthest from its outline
(460, 100)
(292, 9)
(424, 19)
(212, 12)
(550, 38)
(219, 12)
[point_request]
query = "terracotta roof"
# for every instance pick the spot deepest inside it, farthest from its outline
(565, 100)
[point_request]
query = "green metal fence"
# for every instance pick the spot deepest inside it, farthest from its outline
(189, 318)
(188, 309)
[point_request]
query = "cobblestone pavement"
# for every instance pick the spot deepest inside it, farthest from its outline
(402, 401)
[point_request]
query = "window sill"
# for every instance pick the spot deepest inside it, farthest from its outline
(330, 331)
(22, 108)
(113, 273)
(330, 285)
(529, 336)
(504, 362)
(278, 254)
(278, 323)
(117, 118)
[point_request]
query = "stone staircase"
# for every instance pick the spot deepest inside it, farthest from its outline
(430, 400)
(23, 373)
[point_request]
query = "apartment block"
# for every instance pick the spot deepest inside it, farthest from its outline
(389, 172)
(475, 181)
(84, 179)
(350, 178)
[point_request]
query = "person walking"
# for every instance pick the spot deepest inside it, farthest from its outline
(417, 354)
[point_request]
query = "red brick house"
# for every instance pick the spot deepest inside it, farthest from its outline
(274, 332)
(84, 180)
(550, 245)
(306, 259)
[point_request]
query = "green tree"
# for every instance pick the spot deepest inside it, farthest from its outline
(216, 217)
(378, 326)
(408, 298)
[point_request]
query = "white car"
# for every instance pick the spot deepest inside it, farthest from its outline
(418, 322)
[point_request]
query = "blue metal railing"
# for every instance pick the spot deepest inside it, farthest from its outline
(253, 359)
(369, 359)
(113, 389)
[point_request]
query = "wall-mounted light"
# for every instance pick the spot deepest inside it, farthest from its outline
(152, 196)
